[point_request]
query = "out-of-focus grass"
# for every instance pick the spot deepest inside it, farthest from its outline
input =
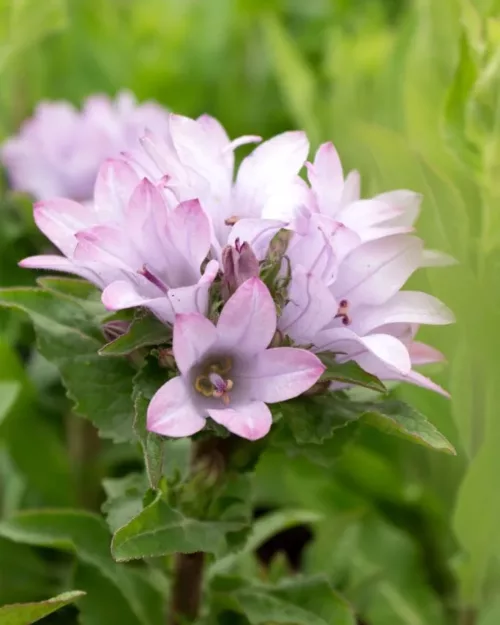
(409, 93)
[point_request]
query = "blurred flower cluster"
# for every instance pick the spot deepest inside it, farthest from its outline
(259, 272)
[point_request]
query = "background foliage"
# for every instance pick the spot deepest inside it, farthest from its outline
(409, 91)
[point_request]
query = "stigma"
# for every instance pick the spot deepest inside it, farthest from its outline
(213, 382)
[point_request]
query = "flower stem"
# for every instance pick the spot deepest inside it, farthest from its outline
(209, 456)
(187, 588)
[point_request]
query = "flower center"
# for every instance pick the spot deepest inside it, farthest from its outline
(343, 312)
(212, 382)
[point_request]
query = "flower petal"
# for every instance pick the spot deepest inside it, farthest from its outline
(189, 232)
(327, 178)
(278, 374)
(251, 421)
(107, 245)
(115, 184)
(364, 214)
(352, 188)
(382, 348)
(422, 354)
(310, 308)
(376, 270)
(435, 258)
(247, 322)
(59, 219)
(193, 336)
(408, 203)
(172, 412)
(404, 307)
(194, 298)
(268, 168)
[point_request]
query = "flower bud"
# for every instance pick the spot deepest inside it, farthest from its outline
(239, 264)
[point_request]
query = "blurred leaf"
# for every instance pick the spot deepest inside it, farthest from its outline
(26, 613)
(104, 604)
(42, 447)
(490, 614)
(399, 419)
(144, 331)
(23, 23)
(9, 392)
(160, 530)
(24, 575)
(349, 373)
(87, 535)
(299, 602)
(297, 80)
(263, 529)
(455, 109)
(69, 337)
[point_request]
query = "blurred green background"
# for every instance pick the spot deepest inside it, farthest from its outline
(409, 92)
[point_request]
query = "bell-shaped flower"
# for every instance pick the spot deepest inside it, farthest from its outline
(196, 160)
(374, 322)
(227, 371)
(132, 244)
(58, 151)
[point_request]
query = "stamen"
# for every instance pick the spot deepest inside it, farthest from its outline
(230, 221)
(343, 312)
(153, 279)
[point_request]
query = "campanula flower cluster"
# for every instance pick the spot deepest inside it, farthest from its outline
(258, 270)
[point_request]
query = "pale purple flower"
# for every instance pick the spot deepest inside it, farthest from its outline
(195, 159)
(131, 243)
(59, 150)
(227, 371)
(364, 315)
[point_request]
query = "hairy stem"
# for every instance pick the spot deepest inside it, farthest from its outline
(187, 588)
(211, 457)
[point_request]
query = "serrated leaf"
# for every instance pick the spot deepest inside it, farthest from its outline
(398, 418)
(87, 536)
(160, 530)
(125, 496)
(145, 331)
(349, 373)
(70, 337)
(26, 613)
(300, 602)
(146, 383)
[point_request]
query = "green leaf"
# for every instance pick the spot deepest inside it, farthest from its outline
(26, 613)
(70, 337)
(399, 419)
(87, 536)
(299, 602)
(143, 332)
(24, 575)
(263, 529)
(43, 447)
(146, 383)
(160, 530)
(125, 496)
(9, 392)
(454, 124)
(349, 373)
(104, 604)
